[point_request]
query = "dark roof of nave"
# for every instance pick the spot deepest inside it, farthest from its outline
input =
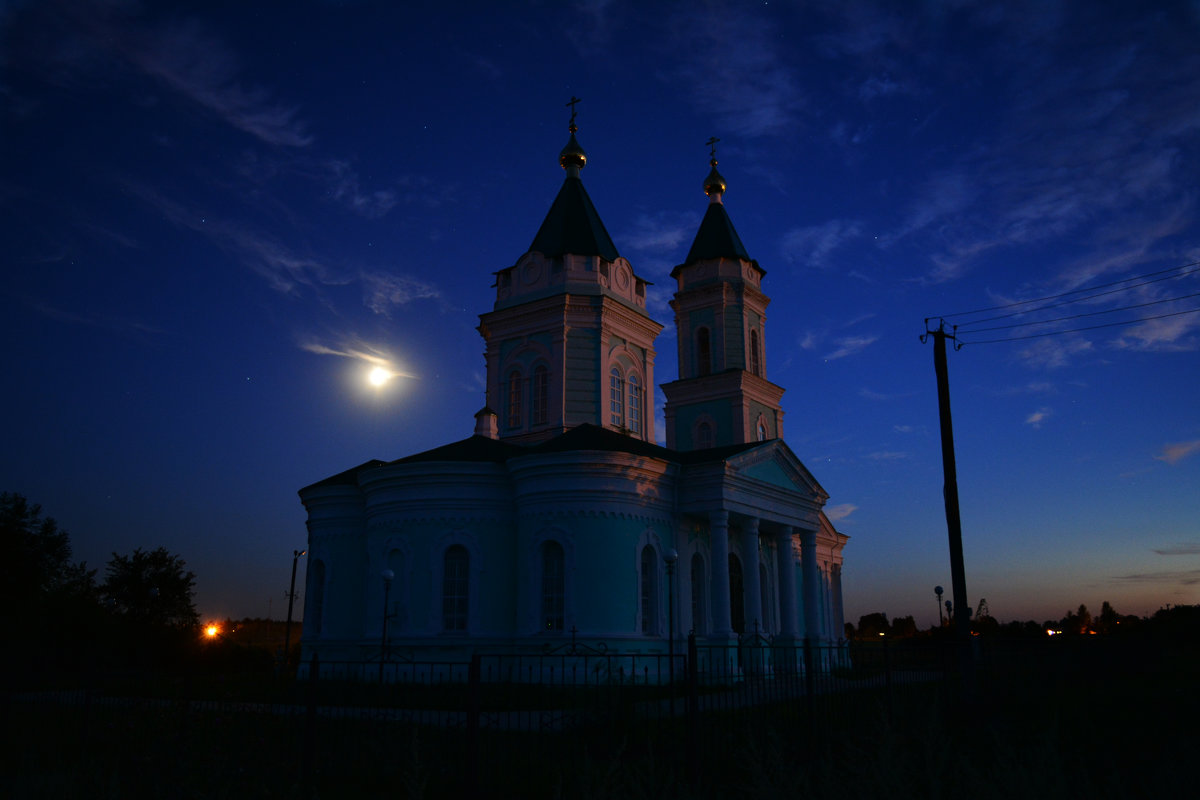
(476, 448)
(349, 477)
(716, 238)
(479, 449)
(573, 226)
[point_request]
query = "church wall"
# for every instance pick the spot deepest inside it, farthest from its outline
(336, 517)
(583, 370)
(716, 412)
(735, 338)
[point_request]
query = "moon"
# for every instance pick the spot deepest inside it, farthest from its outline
(379, 376)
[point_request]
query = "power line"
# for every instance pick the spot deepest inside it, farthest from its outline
(1081, 316)
(1076, 300)
(1181, 269)
(1077, 330)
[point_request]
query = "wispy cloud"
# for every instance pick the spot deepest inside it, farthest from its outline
(886, 455)
(663, 233)
(1053, 352)
(1189, 577)
(383, 291)
(750, 87)
(355, 349)
(95, 319)
(840, 511)
(1036, 418)
(1185, 549)
(345, 188)
(811, 246)
(850, 345)
(1174, 453)
(198, 65)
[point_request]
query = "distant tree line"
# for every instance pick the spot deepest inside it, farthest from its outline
(1169, 620)
(60, 617)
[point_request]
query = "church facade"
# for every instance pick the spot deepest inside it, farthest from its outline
(561, 518)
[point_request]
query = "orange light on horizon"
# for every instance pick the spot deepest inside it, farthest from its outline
(212, 630)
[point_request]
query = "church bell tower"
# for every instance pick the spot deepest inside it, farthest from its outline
(568, 339)
(722, 396)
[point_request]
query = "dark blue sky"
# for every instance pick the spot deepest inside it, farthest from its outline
(217, 217)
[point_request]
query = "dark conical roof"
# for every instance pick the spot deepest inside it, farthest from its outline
(716, 237)
(573, 226)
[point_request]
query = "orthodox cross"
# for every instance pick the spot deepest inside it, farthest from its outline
(574, 100)
(712, 142)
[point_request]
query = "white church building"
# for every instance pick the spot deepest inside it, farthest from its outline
(561, 519)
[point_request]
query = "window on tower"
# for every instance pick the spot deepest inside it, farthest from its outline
(635, 404)
(704, 436)
(541, 394)
(755, 354)
(703, 352)
(514, 399)
(616, 398)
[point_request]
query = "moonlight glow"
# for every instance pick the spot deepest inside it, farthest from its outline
(379, 376)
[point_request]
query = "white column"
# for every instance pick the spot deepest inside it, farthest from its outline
(718, 522)
(787, 582)
(811, 580)
(750, 578)
(839, 615)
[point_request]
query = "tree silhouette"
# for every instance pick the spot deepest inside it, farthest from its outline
(151, 588)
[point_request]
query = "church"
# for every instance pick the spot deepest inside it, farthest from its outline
(561, 519)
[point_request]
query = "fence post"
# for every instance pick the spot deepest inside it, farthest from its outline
(693, 709)
(474, 703)
(887, 675)
(310, 728)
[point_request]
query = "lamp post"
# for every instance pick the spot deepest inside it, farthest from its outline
(387, 576)
(670, 557)
(937, 590)
(287, 629)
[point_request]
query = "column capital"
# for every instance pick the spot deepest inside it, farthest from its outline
(719, 517)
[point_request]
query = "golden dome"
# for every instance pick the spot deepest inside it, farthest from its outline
(572, 155)
(714, 184)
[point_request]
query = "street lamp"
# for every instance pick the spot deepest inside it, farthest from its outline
(387, 576)
(287, 629)
(670, 557)
(937, 590)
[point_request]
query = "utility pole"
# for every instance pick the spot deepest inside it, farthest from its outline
(962, 609)
(291, 595)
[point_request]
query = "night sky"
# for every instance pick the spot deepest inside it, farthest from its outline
(219, 217)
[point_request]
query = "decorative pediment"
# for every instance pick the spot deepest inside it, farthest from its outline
(775, 463)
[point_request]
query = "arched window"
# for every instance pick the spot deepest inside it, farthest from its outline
(316, 598)
(455, 582)
(395, 562)
(762, 430)
(554, 586)
(737, 600)
(541, 393)
(755, 353)
(704, 436)
(514, 399)
(649, 590)
(616, 398)
(699, 607)
(703, 352)
(635, 404)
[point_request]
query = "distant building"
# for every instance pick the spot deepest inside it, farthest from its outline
(560, 516)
